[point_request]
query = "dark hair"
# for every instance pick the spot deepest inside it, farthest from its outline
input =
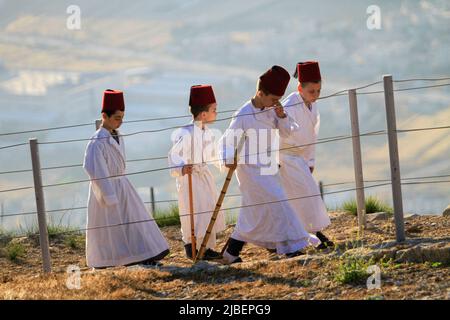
(196, 110)
(304, 84)
(109, 113)
(260, 87)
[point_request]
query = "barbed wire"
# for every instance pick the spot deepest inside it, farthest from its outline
(422, 129)
(233, 195)
(164, 118)
(13, 145)
(405, 89)
(337, 138)
(165, 157)
(421, 79)
(223, 209)
(323, 140)
(242, 206)
(341, 92)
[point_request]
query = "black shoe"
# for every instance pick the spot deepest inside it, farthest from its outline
(188, 249)
(325, 242)
(211, 255)
(152, 262)
(295, 254)
(237, 260)
(271, 250)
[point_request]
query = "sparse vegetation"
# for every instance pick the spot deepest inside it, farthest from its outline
(352, 270)
(168, 217)
(74, 241)
(372, 205)
(337, 274)
(14, 251)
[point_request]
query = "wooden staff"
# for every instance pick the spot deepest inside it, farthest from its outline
(220, 200)
(215, 213)
(191, 209)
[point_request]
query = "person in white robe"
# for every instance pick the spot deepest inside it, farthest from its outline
(120, 231)
(266, 219)
(193, 150)
(297, 153)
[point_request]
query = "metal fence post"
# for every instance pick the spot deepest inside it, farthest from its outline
(394, 158)
(357, 161)
(40, 205)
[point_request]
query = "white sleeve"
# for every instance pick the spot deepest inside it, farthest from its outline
(286, 125)
(229, 141)
(96, 167)
(312, 148)
(175, 158)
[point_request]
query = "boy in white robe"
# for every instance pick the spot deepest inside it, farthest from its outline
(193, 149)
(266, 218)
(297, 163)
(120, 231)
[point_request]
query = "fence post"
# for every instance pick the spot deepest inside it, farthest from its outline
(394, 158)
(357, 161)
(1, 214)
(152, 200)
(98, 123)
(40, 205)
(321, 189)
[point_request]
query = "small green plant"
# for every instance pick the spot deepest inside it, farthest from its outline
(73, 241)
(431, 264)
(352, 270)
(14, 251)
(168, 217)
(372, 205)
(55, 231)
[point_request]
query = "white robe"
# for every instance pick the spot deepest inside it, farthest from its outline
(272, 225)
(204, 190)
(295, 162)
(114, 201)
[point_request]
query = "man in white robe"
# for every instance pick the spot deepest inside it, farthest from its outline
(194, 148)
(266, 219)
(120, 231)
(297, 155)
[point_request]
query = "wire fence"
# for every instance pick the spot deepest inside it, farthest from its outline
(379, 182)
(239, 195)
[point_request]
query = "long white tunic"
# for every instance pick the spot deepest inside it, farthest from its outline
(114, 201)
(270, 225)
(295, 162)
(192, 145)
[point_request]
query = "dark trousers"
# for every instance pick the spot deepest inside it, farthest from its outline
(235, 247)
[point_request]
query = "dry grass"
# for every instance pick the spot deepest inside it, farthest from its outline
(261, 276)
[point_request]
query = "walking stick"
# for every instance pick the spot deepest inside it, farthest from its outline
(191, 209)
(216, 211)
(220, 200)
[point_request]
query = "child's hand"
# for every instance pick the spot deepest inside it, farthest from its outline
(279, 110)
(187, 169)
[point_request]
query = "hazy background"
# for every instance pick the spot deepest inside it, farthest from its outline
(155, 50)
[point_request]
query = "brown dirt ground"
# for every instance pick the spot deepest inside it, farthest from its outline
(261, 276)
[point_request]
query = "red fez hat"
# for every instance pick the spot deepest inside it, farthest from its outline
(201, 95)
(113, 101)
(308, 71)
(275, 80)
